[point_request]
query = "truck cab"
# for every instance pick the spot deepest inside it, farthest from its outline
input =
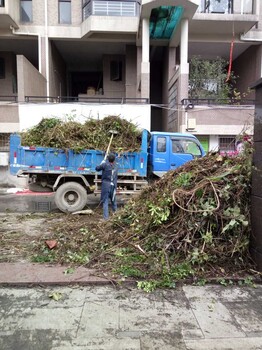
(168, 151)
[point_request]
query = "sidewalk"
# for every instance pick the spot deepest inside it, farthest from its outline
(212, 317)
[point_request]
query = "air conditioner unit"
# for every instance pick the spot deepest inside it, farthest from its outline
(191, 124)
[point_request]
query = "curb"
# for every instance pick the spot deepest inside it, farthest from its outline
(25, 274)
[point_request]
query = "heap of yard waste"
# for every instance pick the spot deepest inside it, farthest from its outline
(93, 134)
(192, 223)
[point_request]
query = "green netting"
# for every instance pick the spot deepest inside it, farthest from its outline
(164, 20)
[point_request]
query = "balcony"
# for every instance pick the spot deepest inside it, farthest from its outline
(9, 14)
(124, 8)
(218, 17)
(242, 7)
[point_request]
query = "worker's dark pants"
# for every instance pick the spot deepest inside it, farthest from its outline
(106, 196)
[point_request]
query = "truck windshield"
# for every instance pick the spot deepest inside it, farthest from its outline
(186, 146)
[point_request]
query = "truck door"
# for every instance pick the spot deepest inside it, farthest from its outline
(159, 154)
(182, 150)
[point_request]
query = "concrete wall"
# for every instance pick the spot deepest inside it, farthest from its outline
(113, 88)
(177, 90)
(248, 73)
(131, 71)
(57, 77)
(172, 119)
(138, 70)
(38, 12)
(9, 118)
(12, 8)
(30, 81)
(8, 84)
(218, 120)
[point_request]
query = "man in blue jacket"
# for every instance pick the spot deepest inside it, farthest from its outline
(109, 183)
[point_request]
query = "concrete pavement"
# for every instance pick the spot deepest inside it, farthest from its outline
(105, 317)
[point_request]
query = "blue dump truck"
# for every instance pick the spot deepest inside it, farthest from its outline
(72, 175)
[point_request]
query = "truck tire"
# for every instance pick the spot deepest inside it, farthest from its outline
(70, 197)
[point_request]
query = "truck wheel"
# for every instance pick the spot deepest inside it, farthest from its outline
(70, 197)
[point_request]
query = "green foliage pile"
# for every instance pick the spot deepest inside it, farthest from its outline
(93, 134)
(195, 221)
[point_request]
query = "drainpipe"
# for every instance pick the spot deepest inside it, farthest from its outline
(46, 51)
(184, 70)
(184, 46)
(39, 44)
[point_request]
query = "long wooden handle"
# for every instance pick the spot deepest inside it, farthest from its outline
(108, 148)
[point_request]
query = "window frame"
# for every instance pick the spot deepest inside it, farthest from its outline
(225, 146)
(30, 16)
(159, 145)
(60, 21)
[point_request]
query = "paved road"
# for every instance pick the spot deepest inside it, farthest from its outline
(104, 317)
(40, 202)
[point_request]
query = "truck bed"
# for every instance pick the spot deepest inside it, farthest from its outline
(29, 160)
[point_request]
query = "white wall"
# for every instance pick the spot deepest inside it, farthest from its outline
(32, 114)
(4, 157)
(213, 143)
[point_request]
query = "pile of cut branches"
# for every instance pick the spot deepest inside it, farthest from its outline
(93, 134)
(193, 221)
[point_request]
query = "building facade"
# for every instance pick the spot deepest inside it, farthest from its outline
(92, 58)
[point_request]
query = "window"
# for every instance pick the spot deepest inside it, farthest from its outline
(186, 146)
(2, 3)
(227, 144)
(161, 144)
(4, 142)
(26, 10)
(177, 147)
(2, 68)
(116, 70)
(65, 11)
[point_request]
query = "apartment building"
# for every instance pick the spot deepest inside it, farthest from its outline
(92, 58)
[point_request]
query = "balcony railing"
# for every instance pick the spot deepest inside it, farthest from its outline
(191, 102)
(110, 8)
(8, 98)
(227, 6)
(88, 99)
